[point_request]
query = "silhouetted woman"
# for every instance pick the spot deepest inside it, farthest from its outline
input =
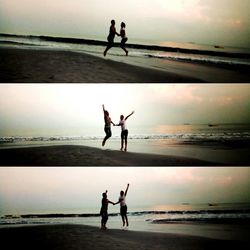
(107, 126)
(123, 206)
(104, 210)
(124, 133)
(124, 37)
(111, 36)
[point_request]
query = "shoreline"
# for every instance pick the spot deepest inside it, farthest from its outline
(156, 47)
(73, 155)
(20, 65)
(69, 236)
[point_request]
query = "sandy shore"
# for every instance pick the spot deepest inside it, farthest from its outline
(86, 237)
(66, 155)
(55, 66)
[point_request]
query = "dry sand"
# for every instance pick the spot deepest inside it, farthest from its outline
(55, 66)
(85, 237)
(66, 155)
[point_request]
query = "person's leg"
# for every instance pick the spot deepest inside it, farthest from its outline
(105, 138)
(122, 215)
(123, 41)
(125, 214)
(106, 220)
(126, 140)
(122, 141)
(124, 50)
(123, 220)
(109, 46)
(108, 135)
(106, 50)
(126, 218)
(102, 221)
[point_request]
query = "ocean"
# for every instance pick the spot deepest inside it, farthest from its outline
(156, 55)
(221, 143)
(215, 220)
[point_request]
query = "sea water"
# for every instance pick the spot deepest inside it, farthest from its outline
(146, 54)
(218, 220)
(220, 143)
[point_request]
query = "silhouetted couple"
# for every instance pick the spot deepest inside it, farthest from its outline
(122, 123)
(123, 208)
(111, 37)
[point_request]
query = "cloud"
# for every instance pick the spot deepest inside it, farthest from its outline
(223, 22)
(62, 189)
(59, 109)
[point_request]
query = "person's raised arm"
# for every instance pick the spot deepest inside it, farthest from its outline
(130, 115)
(103, 107)
(126, 190)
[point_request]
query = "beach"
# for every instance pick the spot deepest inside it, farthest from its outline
(73, 155)
(86, 237)
(224, 144)
(58, 66)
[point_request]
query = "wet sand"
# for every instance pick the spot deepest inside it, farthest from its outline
(56, 66)
(86, 237)
(67, 155)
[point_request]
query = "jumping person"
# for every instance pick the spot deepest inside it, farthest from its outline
(107, 126)
(124, 38)
(111, 36)
(124, 132)
(104, 210)
(123, 206)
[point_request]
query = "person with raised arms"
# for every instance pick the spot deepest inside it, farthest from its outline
(123, 206)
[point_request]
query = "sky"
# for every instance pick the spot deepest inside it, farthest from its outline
(78, 189)
(224, 22)
(76, 109)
